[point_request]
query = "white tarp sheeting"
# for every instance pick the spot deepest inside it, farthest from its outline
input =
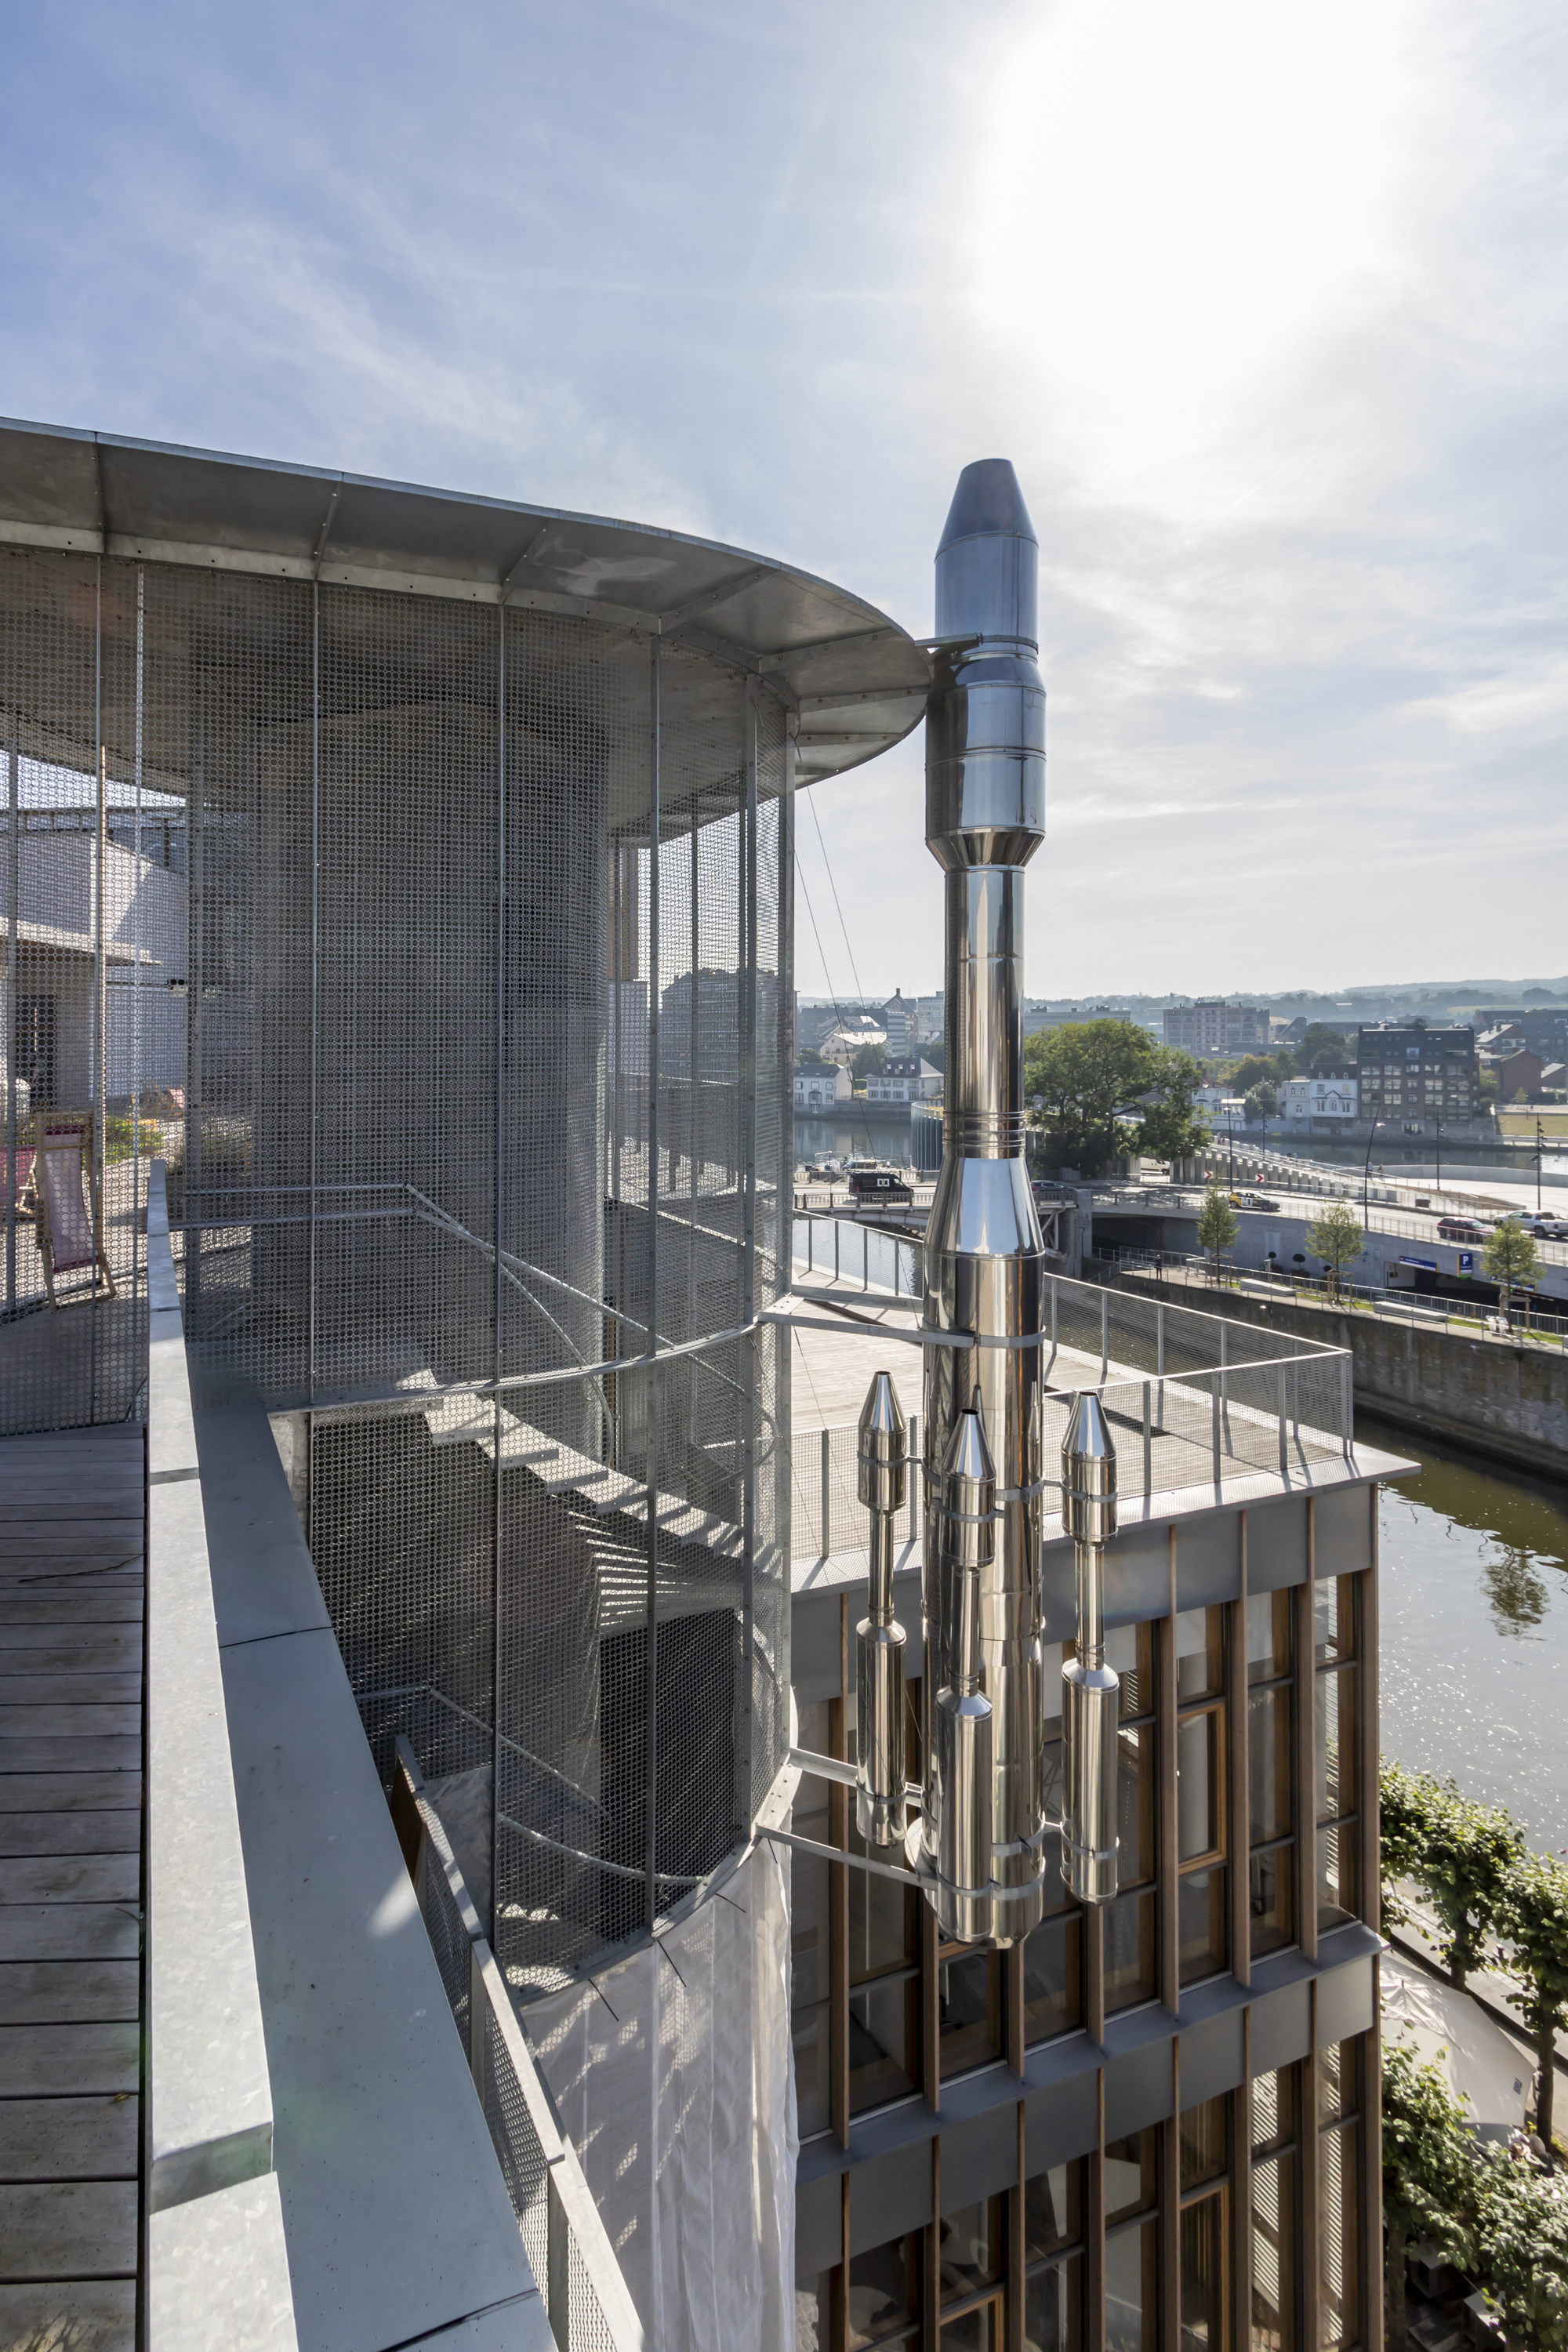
(671, 2073)
(1483, 2062)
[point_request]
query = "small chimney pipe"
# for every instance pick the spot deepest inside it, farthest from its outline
(1090, 1690)
(883, 1455)
(953, 1854)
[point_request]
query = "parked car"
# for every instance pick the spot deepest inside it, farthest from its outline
(878, 1184)
(1252, 1201)
(1460, 1229)
(1545, 1229)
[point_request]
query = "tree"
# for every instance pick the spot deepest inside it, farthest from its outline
(870, 1062)
(1428, 2172)
(1522, 2233)
(1336, 1237)
(1321, 1048)
(1261, 1103)
(1532, 1917)
(1461, 1855)
(1218, 1225)
(1091, 1074)
(1509, 1257)
(1257, 1070)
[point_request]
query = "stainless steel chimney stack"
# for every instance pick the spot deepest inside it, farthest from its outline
(955, 1836)
(1090, 1688)
(985, 810)
(880, 1778)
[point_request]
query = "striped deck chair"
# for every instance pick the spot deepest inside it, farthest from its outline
(70, 1213)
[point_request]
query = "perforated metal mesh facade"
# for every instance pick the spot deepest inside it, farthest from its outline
(475, 930)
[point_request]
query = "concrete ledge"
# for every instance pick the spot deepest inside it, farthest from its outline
(210, 2096)
(217, 2272)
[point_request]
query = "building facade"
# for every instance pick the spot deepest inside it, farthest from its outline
(1417, 1077)
(908, 1079)
(1327, 1095)
(1156, 2123)
(1211, 1027)
(822, 1089)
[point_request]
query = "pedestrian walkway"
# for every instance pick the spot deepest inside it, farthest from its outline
(71, 1520)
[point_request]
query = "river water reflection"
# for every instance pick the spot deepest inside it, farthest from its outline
(1474, 1590)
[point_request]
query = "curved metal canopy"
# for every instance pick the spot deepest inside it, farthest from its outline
(856, 681)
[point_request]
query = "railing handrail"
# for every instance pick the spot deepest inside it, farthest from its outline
(571, 2210)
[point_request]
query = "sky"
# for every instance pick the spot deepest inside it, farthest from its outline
(1265, 305)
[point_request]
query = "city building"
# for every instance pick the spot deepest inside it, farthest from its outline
(1142, 2118)
(1210, 1028)
(851, 1036)
(818, 1090)
(1415, 1076)
(901, 1022)
(1326, 1094)
(1220, 1104)
(1517, 1070)
(1542, 1027)
(908, 1080)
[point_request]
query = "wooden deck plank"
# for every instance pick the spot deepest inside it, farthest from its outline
(69, 1649)
(114, 1752)
(67, 2230)
(70, 1792)
(64, 1836)
(50, 1688)
(71, 2138)
(72, 2315)
(60, 2061)
(52, 1877)
(69, 1992)
(54, 1722)
(69, 1931)
(119, 1608)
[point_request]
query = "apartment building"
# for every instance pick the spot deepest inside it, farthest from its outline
(1213, 1028)
(1415, 1076)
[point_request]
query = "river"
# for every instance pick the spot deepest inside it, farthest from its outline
(1474, 1595)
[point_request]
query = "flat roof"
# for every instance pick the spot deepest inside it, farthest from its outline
(856, 681)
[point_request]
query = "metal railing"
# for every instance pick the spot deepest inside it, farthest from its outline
(1419, 1309)
(589, 2306)
(1195, 1420)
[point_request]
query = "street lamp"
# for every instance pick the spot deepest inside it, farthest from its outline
(1540, 1147)
(1366, 1168)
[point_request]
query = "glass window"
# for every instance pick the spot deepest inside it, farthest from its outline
(1131, 2175)
(1135, 1751)
(884, 1918)
(884, 2039)
(1053, 2210)
(814, 2315)
(1053, 2308)
(1336, 1873)
(1273, 2255)
(1339, 2238)
(979, 2330)
(1205, 2142)
(1268, 1763)
(810, 2030)
(1333, 1619)
(1130, 1651)
(1052, 1976)
(969, 2008)
(1337, 2082)
(1268, 1637)
(1200, 1779)
(1132, 2289)
(970, 2250)
(1336, 1743)
(1200, 1654)
(884, 2288)
(1273, 2108)
(1200, 1925)
(1272, 1876)
(1203, 2275)
(1131, 1945)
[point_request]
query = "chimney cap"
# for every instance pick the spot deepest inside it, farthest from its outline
(987, 502)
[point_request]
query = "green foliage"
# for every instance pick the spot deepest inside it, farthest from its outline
(1336, 1237)
(1508, 1256)
(119, 1140)
(1532, 1917)
(1261, 1103)
(1218, 1225)
(1321, 1047)
(1089, 1075)
(1260, 1070)
(869, 1062)
(1521, 2231)
(1458, 1853)
(1428, 2164)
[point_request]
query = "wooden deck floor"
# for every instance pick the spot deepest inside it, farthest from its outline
(70, 1887)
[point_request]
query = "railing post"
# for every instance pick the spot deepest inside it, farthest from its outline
(1214, 1427)
(479, 2010)
(1104, 1335)
(826, 1490)
(836, 1233)
(558, 2264)
(1346, 1408)
(865, 1257)
(1284, 1441)
(1159, 1341)
(1148, 1441)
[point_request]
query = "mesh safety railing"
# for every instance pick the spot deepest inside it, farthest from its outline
(574, 2263)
